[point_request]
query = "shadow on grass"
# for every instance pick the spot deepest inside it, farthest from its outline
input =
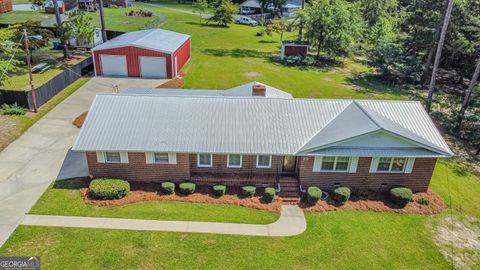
(71, 184)
(267, 41)
(371, 83)
(238, 53)
(205, 24)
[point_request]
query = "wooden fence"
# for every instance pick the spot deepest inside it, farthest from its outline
(48, 90)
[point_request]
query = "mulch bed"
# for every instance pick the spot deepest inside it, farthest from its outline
(78, 122)
(380, 203)
(176, 82)
(151, 192)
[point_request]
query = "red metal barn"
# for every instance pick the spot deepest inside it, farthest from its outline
(153, 53)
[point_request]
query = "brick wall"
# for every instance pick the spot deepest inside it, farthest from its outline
(296, 50)
(418, 180)
(137, 170)
(5, 5)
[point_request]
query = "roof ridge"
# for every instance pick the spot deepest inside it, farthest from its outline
(367, 114)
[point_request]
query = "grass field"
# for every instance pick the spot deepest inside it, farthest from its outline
(63, 198)
(20, 16)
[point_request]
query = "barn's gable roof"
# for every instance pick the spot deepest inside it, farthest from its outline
(255, 125)
(153, 39)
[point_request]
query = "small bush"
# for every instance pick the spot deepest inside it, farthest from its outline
(401, 195)
(13, 109)
(423, 201)
(341, 194)
(313, 194)
(269, 195)
(168, 187)
(219, 190)
(249, 191)
(187, 188)
(108, 189)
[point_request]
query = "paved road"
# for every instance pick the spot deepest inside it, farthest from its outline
(41, 155)
(291, 222)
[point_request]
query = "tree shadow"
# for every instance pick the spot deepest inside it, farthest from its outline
(71, 184)
(238, 53)
(371, 83)
(267, 41)
(205, 24)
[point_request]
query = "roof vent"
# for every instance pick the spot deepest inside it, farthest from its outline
(259, 90)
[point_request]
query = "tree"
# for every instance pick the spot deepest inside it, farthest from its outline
(224, 11)
(39, 37)
(332, 26)
(8, 49)
(82, 27)
(438, 54)
(468, 96)
(299, 19)
(276, 26)
(200, 7)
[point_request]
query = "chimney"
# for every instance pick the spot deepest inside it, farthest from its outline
(259, 90)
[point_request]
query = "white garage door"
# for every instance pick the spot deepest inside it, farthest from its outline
(114, 65)
(153, 67)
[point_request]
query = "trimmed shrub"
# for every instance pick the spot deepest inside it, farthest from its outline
(249, 191)
(313, 194)
(401, 195)
(187, 188)
(108, 189)
(341, 194)
(168, 187)
(219, 190)
(423, 201)
(269, 195)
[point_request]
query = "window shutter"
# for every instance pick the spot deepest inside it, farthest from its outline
(100, 157)
(374, 165)
(149, 158)
(353, 165)
(317, 164)
(172, 158)
(123, 157)
(409, 166)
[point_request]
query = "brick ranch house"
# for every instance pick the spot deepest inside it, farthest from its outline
(256, 134)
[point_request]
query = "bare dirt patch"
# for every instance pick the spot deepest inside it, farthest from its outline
(78, 122)
(459, 241)
(9, 130)
(151, 192)
(176, 82)
(378, 202)
(252, 74)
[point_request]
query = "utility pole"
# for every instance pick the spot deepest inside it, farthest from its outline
(30, 76)
(102, 21)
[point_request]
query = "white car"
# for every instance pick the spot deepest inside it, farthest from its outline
(247, 10)
(246, 20)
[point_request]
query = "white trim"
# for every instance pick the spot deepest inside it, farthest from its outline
(374, 165)
(119, 153)
(234, 166)
(123, 157)
(149, 157)
(269, 162)
(136, 46)
(100, 157)
(172, 158)
(204, 166)
(409, 165)
(318, 167)
(353, 165)
(94, 65)
(375, 168)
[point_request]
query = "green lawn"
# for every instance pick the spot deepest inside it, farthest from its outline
(20, 16)
(337, 240)
(226, 57)
(175, 4)
(63, 198)
(18, 2)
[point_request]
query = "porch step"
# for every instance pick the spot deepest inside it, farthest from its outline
(290, 200)
(289, 194)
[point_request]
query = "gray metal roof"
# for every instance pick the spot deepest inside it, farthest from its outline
(153, 39)
(244, 90)
(375, 152)
(244, 125)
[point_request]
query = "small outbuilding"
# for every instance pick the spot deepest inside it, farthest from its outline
(5, 6)
(294, 48)
(154, 53)
(63, 5)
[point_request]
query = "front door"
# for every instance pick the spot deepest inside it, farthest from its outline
(289, 164)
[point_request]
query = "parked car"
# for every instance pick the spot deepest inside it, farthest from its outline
(247, 10)
(246, 20)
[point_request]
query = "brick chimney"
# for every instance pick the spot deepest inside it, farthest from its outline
(259, 90)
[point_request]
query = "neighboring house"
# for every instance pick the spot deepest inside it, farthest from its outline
(257, 134)
(5, 6)
(63, 5)
(153, 53)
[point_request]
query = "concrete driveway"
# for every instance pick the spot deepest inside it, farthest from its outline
(42, 154)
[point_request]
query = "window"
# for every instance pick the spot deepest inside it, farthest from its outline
(335, 164)
(234, 161)
(204, 160)
(264, 161)
(113, 157)
(161, 158)
(391, 164)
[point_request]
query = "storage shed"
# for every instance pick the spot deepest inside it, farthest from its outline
(5, 6)
(153, 53)
(294, 48)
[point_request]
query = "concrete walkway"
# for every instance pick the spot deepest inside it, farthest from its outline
(42, 154)
(291, 222)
